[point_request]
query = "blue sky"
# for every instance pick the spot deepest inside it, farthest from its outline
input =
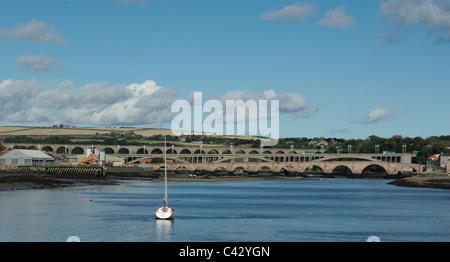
(343, 68)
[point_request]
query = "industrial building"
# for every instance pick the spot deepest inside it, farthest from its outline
(21, 157)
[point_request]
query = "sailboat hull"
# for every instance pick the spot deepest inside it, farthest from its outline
(164, 213)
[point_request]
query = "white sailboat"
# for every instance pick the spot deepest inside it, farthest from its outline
(165, 212)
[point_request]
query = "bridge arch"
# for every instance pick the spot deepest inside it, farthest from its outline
(161, 168)
(253, 152)
(220, 169)
(62, 150)
(198, 151)
(288, 170)
(213, 151)
(142, 151)
(157, 151)
(340, 157)
(265, 170)
(169, 151)
(313, 169)
(185, 151)
(47, 149)
(77, 151)
(124, 150)
(226, 151)
(181, 169)
(200, 170)
(109, 150)
(341, 169)
(240, 170)
(373, 169)
(240, 152)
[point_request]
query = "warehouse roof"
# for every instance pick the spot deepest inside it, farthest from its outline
(34, 154)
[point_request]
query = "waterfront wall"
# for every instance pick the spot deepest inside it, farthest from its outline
(83, 171)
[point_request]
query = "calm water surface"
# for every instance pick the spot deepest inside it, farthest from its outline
(287, 211)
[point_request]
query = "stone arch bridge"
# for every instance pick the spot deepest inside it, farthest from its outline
(215, 158)
(355, 167)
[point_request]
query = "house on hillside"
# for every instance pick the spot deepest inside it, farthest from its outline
(23, 157)
(439, 162)
(321, 142)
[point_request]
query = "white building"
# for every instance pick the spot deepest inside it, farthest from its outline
(23, 157)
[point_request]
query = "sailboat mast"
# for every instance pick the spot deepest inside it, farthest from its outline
(165, 171)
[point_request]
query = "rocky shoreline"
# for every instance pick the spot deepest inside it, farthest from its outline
(423, 182)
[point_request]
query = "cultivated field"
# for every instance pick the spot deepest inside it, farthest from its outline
(86, 131)
(56, 131)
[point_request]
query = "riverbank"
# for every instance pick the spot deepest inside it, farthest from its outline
(29, 181)
(423, 182)
(13, 181)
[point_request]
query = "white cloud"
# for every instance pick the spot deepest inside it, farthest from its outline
(101, 104)
(134, 104)
(433, 14)
(23, 101)
(290, 13)
(39, 63)
(290, 103)
(28, 101)
(380, 113)
(35, 31)
(337, 19)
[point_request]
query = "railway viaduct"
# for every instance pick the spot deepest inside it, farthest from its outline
(214, 158)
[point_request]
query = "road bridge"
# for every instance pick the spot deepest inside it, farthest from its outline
(277, 157)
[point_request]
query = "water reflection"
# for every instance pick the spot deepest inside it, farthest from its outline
(319, 210)
(163, 229)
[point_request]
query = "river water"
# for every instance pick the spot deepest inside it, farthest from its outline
(336, 210)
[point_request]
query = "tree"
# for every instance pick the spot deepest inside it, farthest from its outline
(110, 141)
(331, 149)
